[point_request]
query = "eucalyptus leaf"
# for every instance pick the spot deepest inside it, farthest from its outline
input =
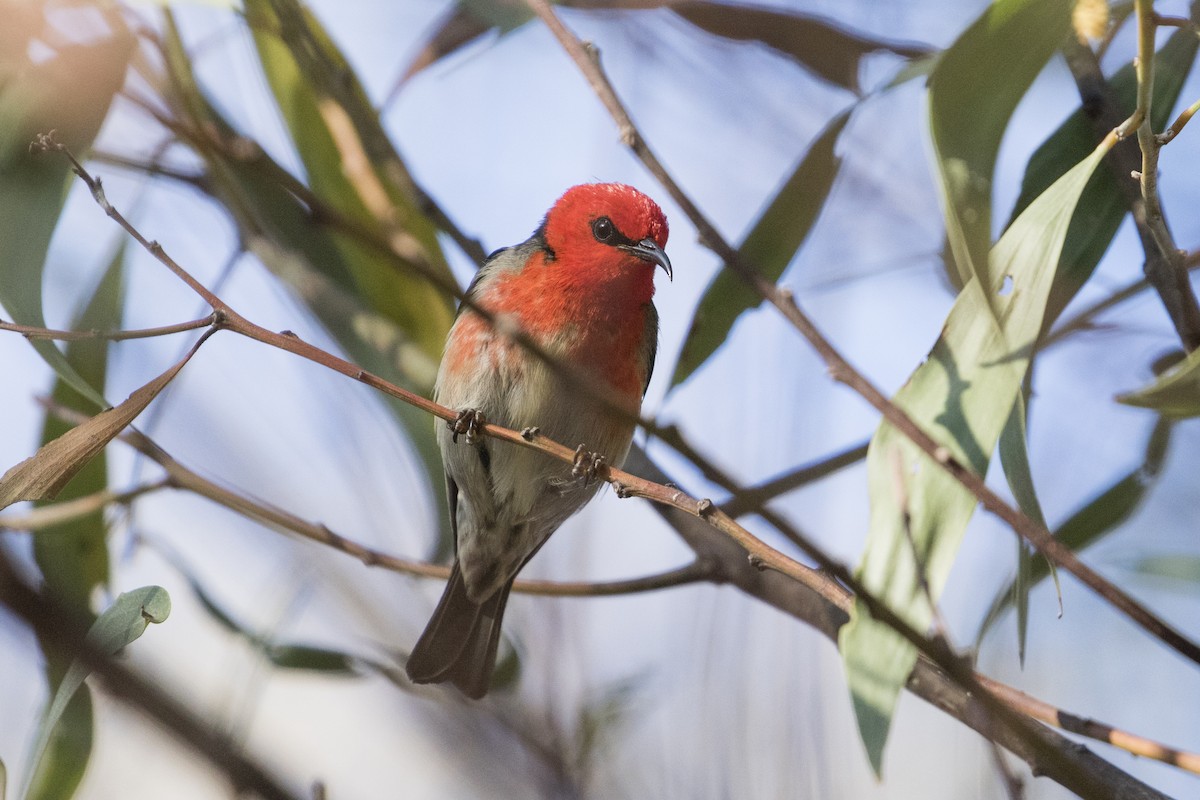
(770, 246)
(962, 395)
(1003, 50)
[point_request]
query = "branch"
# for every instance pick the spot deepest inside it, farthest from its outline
(32, 332)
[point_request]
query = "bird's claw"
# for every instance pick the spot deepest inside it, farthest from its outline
(586, 464)
(469, 424)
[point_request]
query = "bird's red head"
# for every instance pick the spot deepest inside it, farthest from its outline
(608, 224)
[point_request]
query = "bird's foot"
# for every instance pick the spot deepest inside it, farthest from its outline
(586, 465)
(469, 423)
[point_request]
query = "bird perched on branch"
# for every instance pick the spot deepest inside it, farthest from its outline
(580, 290)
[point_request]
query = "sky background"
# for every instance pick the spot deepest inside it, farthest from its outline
(723, 697)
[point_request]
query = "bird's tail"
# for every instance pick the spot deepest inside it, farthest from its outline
(459, 643)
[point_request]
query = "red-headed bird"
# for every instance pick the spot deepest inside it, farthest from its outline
(580, 288)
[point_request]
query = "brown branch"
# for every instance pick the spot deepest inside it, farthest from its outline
(49, 516)
(1163, 266)
(33, 332)
(842, 371)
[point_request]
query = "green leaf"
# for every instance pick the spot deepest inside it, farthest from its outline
(74, 560)
(311, 261)
(311, 659)
(962, 395)
(973, 92)
(323, 104)
(1175, 393)
(122, 623)
(1183, 567)
(1103, 205)
(69, 93)
(770, 246)
(828, 50)
(1097, 518)
(1014, 456)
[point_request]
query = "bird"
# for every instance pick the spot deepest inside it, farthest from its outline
(580, 290)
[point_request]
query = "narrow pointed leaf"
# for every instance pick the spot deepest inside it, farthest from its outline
(1097, 518)
(962, 395)
(1014, 456)
(826, 49)
(311, 261)
(46, 472)
(1175, 393)
(1003, 50)
(326, 111)
(769, 247)
(1103, 205)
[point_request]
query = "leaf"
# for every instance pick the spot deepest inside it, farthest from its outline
(311, 659)
(824, 48)
(122, 623)
(770, 246)
(352, 166)
(456, 30)
(309, 259)
(1183, 567)
(1099, 517)
(69, 93)
(1175, 393)
(1014, 456)
(74, 559)
(1003, 50)
(43, 475)
(962, 396)
(1103, 205)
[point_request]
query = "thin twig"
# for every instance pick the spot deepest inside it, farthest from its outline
(33, 332)
(45, 517)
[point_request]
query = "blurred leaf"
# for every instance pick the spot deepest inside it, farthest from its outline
(507, 672)
(43, 475)
(826, 49)
(67, 751)
(70, 94)
(1003, 50)
(1179, 567)
(458, 28)
(1175, 393)
(1103, 206)
(962, 395)
(284, 656)
(122, 623)
(1014, 456)
(769, 247)
(1100, 516)
(311, 659)
(74, 559)
(308, 257)
(332, 122)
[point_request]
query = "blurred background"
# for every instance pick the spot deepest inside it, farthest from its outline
(697, 691)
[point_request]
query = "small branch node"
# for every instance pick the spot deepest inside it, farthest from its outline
(704, 507)
(622, 490)
(757, 562)
(942, 455)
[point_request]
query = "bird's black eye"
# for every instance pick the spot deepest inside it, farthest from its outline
(604, 230)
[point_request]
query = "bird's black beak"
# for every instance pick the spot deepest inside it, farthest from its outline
(648, 250)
